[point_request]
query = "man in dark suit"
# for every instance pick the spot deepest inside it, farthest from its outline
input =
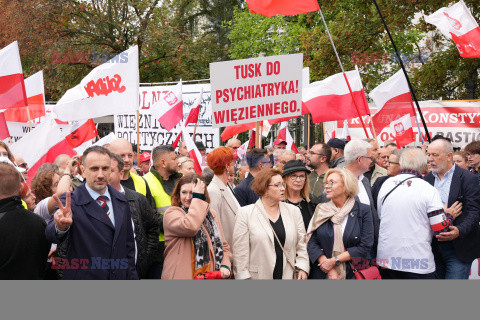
(456, 249)
(97, 225)
(256, 160)
(358, 158)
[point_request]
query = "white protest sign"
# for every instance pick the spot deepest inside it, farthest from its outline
(153, 134)
(256, 89)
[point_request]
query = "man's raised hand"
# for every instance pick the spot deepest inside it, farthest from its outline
(63, 216)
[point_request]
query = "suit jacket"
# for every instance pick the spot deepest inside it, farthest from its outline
(95, 248)
(254, 246)
(464, 187)
(180, 227)
(375, 218)
(225, 205)
(148, 224)
(357, 239)
(244, 193)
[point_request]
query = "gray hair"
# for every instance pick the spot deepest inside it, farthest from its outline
(446, 145)
(413, 159)
(288, 152)
(354, 149)
(229, 143)
(397, 152)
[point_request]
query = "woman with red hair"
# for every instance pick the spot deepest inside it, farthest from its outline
(27, 196)
(222, 200)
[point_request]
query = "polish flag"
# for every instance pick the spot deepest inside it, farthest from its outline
(81, 132)
(346, 132)
(231, 131)
(110, 88)
(195, 111)
(12, 86)
(41, 145)
(284, 134)
(270, 8)
(169, 109)
(241, 152)
(35, 98)
(393, 100)
(177, 140)
(330, 99)
(402, 130)
(456, 22)
(4, 133)
(193, 152)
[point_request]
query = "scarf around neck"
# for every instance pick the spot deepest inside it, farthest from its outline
(329, 211)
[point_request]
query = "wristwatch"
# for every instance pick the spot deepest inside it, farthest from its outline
(337, 262)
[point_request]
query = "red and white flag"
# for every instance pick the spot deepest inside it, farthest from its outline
(330, 99)
(457, 23)
(168, 110)
(195, 111)
(284, 134)
(35, 98)
(42, 144)
(241, 152)
(108, 89)
(4, 133)
(393, 100)
(346, 132)
(12, 86)
(81, 132)
(402, 130)
(193, 152)
(270, 8)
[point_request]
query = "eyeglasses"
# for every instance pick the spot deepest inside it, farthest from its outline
(318, 154)
(23, 165)
(328, 183)
(391, 162)
(4, 154)
(367, 158)
(278, 186)
(301, 178)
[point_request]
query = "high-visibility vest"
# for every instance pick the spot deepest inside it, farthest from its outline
(163, 201)
(139, 183)
(24, 204)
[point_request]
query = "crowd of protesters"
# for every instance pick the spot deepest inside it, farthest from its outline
(336, 210)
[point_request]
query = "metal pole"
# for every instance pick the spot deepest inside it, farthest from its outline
(405, 72)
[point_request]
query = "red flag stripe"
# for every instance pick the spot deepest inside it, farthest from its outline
(4, 133)
(172, 117)
(63, 147)
(84, 133)
(36, 105)
(392, 110)
(12, 91)
(271, 8)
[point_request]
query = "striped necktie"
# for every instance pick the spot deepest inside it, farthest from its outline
(103, 203)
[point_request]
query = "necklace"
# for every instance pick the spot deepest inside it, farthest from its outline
(297, 204)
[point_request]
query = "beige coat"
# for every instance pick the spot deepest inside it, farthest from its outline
(179, 228)
(377, 173)
(254, 247)
(225, 205)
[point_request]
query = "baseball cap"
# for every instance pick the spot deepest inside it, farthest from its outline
(144, 157)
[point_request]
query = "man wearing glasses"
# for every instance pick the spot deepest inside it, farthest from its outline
(318, 159)
(22, 164)
(358, 159)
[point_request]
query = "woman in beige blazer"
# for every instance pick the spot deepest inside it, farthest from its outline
(222, 200)
(194, 240)
(256, 250)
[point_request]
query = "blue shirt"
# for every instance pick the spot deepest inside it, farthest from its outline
(443, 186)
(106, 194)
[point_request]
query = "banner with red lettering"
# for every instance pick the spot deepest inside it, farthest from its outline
(256, 89)
(456, 120)
(108, 89)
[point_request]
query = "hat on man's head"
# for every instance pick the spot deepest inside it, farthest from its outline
(294, 166)
(144, 157)
(200, 145)
(336, 143)
(278, 141)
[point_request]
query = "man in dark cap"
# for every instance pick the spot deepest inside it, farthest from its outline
(337, 146)
(203, 151)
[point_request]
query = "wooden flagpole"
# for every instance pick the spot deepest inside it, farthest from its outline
(138, 133)
(343, 71)
(257, 130)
